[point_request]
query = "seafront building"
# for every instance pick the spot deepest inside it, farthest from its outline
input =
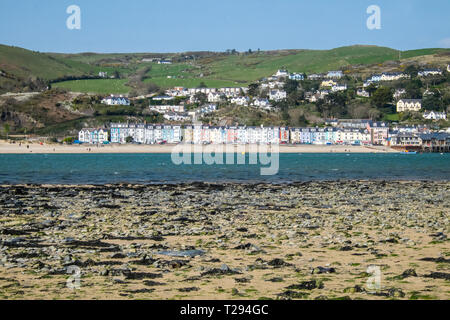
(339, 132)
(145, 134)
(93, 136)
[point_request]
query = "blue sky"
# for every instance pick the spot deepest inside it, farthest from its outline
(217, 25)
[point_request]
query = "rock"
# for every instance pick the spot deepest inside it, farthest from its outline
(278, 263)
(306, 285)
(289, 295)
(319, 270)
(276, 279)
(355, 289)
(185, 253)
(118, 256)
(223, 270)
(190, 289)
(438, 275)
(242, 280)
(408, 273)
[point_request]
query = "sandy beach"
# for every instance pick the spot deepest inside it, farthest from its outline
(19, 148)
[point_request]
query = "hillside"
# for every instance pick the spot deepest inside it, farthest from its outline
(20, 68)
(220, 69)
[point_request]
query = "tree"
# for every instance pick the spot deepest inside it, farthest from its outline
(129, 139)
(290, 86)
(413, 89)
(412, 71)
(381, 97)
(201, 97)
(285, 115)
(69, 140)
(433, 102)
(253, 89)
(302, 121)
(202, 85)
(371, 88)
(6, 128)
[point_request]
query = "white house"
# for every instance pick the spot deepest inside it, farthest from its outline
(374, 78)
(297, 76)
(315, 76)
(335, 74)
(262, 103)
(113, 100)
(399, 93)
(429, 72)
(277, 95)
(172, 116)
(163, 98)
(281, 73)
(208, 108)
(165, 109)
(93, 136)
(215, 97)
(433, 115)
(339, 88)
(392, 76)
(362, 93)
(164, 62)
(240, 101)
(232, 92)
(409, 105)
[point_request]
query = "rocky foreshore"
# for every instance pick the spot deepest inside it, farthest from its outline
(315, 240)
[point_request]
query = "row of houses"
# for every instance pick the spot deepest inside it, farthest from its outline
(363, 133)
(187, 92)
(145, 134)
(387, 77)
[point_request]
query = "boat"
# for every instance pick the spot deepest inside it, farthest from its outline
(408, 152)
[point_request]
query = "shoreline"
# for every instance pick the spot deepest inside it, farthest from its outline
(217, 184)
(36, 148)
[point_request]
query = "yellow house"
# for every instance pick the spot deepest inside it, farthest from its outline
(328, 83)
(188, 134)
(409, 105)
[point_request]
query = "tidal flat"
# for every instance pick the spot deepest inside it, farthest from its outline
(311, 240)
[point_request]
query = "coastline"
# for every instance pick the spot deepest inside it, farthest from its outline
(36, 148)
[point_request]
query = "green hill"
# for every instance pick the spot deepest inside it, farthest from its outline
(255, 66)
(18, 65)
(24, 63)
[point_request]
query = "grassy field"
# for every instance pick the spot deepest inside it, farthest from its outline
(100, 86)
(194, 82)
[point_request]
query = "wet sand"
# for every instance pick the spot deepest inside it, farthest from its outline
(315, 240)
